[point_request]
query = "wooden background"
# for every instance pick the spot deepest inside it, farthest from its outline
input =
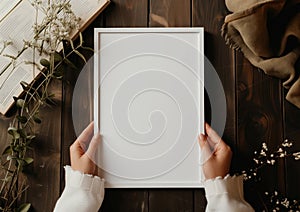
(257, 112)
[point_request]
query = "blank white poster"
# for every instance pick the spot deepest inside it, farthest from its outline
(149, 105)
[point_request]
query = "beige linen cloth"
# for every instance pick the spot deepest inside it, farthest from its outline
(268, 34)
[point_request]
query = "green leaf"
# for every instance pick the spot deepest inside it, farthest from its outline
(80, 55)
(59, 71)
(30, 137)
(24, 207)
(51, 95)
(24, 85)
(20, 103)
(72, 44)
(88, 48)
(22, 133)
(22, 119)
(70, 64)
(7, 150)
(80, 39)
(18, 148)
(28, 160)
(57, 76)
(14, 132)
(9, 157)
(11, 130)
(16, 136)
(36, 119)
(44, 62)
(57, 57)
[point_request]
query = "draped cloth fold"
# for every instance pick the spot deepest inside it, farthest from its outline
(268, 34)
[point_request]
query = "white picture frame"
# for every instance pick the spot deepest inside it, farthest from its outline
(149, 106)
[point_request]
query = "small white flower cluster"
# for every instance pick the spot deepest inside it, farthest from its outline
(54, 23)
(280, 203)
(296, 155)
(264, 157)
(251, 174)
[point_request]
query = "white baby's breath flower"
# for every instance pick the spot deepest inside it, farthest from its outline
(296, 155)
(282, 155)
(263, 153)
(264, 146)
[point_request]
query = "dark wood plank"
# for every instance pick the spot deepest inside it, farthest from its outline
(126, 13)
(171, 200)
(131, 200)
(4, 138)
(210, 15)
(167, 13)
(260, 120)
(44, 178)
(200, 201)
(292, 132)
(170, 13)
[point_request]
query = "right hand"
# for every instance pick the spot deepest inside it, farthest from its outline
(81, 160)
(219, 163)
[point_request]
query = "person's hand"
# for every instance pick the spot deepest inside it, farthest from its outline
(219, 162)
(81, 158)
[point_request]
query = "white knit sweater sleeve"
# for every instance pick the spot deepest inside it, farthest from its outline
(226, 195)
(82, 192)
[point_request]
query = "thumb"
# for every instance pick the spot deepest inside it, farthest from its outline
(95, 142)
(202, 140)
(206, 152)
(213, 137)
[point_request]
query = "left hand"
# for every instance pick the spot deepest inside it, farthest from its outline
(80, 159)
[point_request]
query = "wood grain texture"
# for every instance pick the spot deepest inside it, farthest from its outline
(45, 171)
(200, 201)
(259, 120)
(292, 133)
(127, 13)
(4, 137)
(131, 200)
(169, 13)
(171, 200)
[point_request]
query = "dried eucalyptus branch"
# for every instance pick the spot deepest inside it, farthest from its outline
(50, 35)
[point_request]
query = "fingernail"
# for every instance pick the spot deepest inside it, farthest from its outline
(201, 137)
(97, 135)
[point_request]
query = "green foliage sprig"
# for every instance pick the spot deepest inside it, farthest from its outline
(51, 35)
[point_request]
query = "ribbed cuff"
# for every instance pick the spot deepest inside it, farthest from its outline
(227, 185)
(77, 179)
